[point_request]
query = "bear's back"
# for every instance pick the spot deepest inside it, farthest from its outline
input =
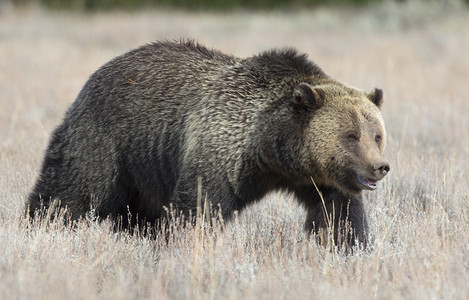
(162, 70)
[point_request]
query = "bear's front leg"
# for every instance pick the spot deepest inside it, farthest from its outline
(196, 194)
(340, 214)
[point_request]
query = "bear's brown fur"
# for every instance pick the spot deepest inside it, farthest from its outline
(153, 123)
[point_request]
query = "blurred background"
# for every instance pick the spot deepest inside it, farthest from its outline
(91, 5)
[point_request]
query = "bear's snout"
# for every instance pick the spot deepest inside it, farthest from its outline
(380, 169)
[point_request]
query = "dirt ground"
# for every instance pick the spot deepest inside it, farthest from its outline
(419, 216)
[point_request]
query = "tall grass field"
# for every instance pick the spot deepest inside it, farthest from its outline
(416, 51)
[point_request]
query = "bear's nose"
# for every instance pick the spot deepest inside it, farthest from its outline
(381, 168)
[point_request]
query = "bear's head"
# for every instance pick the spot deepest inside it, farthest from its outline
(345, 136)
(328, 131)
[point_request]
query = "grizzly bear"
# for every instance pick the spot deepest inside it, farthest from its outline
(160, 125)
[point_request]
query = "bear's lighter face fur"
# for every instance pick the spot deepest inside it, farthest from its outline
(347, 139)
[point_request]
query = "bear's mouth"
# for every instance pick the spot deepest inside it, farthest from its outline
(367, 182)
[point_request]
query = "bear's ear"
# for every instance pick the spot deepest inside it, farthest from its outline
(306, 96)
(376, 96)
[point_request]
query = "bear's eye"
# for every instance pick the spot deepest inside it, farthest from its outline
(378, 138)
(299, 100)
(352, 137)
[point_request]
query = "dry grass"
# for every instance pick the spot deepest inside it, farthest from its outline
(419, 216)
